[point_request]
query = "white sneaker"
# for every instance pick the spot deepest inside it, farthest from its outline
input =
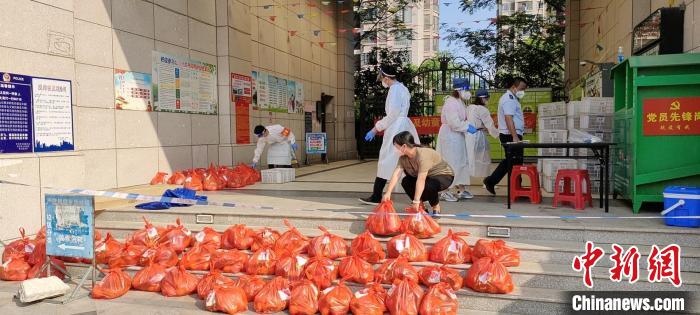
(465, 195)
(448, 196)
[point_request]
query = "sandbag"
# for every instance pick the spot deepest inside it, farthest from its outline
(149, 278)
(178, 282)
(208, 237)
(356, 269)
(408, 245)
(178, 236)
(304, 298)
(431, 275)
(262, 262)
(231, 300)
(23, 246)
(395, 269)
(321, 271)
(367, 247)
(15, 268)
(159, 178)
(238, 237)
(213, 279)
(265, 237)
(369, 301)
(487, 275)
(251, 285)
(273, 297)
(291, 265)
(506, 255)
(439, 300)
(178, 178)
(34, 272)
(115, 284)
(404, 297)
(41, 288)
(148, 234)
(292, 240)
(419, 224)
(384, 220)
(451, 249)
(328, 245)
(197, 258)
(108, 249)
(162, 254)
(232, 261)
(335, 300)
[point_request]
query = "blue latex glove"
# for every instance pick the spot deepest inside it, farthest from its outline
(253, 165)
(295, 146)
(370, 135)
(471, 129)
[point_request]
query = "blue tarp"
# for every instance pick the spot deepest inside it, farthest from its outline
(182, 193)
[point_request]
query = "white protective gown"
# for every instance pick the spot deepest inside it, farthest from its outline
(280, 140)
(478, 148)
(452, 144)
(395, 121)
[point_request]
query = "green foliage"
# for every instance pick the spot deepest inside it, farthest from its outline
(382, 18)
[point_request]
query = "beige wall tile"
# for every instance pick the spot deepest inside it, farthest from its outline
(199, 156)
(173, 159)
(221, 12)
(136, 129)
(240, 66)
(213, 154)
(238, 14)
(174, 129)
(94, 128)
(223, 70)
(134, 16)
(132, 52)
(203, 10)
(96, 11)
(63, 171)
(225, 155)
(36, 64)
(222, 45)
(171, 27)
(282, 63)
(239, 44)
(205, 129)
(267, 58)
(179, 6)
(44, 19)
(94, 86)
(100, 169)
(62, 4)
(202, 37)
(225, 129)
(19, 199)
(224, 100)
(136, 166)
(266, 33)
(172, 49)
(93, 44)
(244, 154)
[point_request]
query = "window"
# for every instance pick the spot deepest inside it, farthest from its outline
(525, 6)
(436, 44)
(426, 4)
(402, 38)
(508, 7)
(426, 44)
(406, 15)
(370, 38)
(426, 20)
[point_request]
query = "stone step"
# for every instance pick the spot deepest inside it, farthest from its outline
(531, 273)
(540, 229)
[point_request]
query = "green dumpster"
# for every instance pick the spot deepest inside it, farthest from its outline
(657, 126)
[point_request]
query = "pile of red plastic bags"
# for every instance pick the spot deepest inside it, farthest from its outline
(213, 178)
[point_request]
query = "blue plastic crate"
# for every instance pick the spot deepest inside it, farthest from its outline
(686, 202)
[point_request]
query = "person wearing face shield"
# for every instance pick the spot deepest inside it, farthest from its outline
(396, 120)
(282, 146)
(452, 144)
(511, 126)
(478, 148)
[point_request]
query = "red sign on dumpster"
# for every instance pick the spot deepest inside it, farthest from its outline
(671, 116)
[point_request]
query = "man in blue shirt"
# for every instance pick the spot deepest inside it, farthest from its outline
(511, 126)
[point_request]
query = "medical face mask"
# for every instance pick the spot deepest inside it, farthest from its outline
(465, 95)
(519, 94)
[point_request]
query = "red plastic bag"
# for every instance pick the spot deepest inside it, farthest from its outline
(487, 275)
(238, 237)
(440, 300)
(292, 240)
(328, 245)
(395, 269)
(34, 271)
(38, 252)
(231, 300)
(162, 254)
(273, 297)
(304, 298)
(178, 282)
(23, 246)
(451, 249)
(213, 279)
(251, 285)
(262, 262)
(506, 255)
(178, 236)
(115, 284)
(108, 249)
(178, 178)
(232, 261)
(321, 271)
(15, 268)
(129, 256)
(384, 221)
(197, 258)
(409, 245)
(41, 235)
(149, 278)
(431, 275)
(419, 224)
(148, 234)
(208, 237)
(291, 265)
(211, 180)
(356, 269)
(159, 178)
(335, 300)
(404, 297)
(367, 247)
(194, 181)
(235, 179)
(369, 301)
(264, 237)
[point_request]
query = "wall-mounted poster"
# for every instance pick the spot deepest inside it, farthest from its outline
(291, 97)
(281, 95)
(261, 92)
(16, 132)
(183, 85)
(300, 97)
(241, 95)
(132, 90)
(276, 94)
(53, 115)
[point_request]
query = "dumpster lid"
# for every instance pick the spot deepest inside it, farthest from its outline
(664, 60)
(689, 192)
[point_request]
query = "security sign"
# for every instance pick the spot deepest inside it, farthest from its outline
(671, 116)
(70, 226)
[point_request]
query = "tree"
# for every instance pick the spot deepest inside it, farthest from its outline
(381, 19)
(531, 46)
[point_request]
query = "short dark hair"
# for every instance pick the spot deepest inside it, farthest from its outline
(259, 129)
(516, 81)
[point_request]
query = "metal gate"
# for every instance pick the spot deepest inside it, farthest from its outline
(431, 81)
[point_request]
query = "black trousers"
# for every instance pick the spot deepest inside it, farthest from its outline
(433, 186)
(516, 158)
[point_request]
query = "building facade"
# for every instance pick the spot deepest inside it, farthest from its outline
(87, 41)
(510, 7)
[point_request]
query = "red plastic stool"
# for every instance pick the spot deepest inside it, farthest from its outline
(578, 198)
(517, 190)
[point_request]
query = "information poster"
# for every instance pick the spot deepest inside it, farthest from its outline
(53, 115)
(276, 94)
(70, 226)
(183, 85)
(316, 143)
(291, 97)
(261, 93)
(132, 90)
(15, 114)
(242, 95)
(300, 97)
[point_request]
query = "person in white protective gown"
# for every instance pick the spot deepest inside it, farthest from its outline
(478, 148)
(395, 121)
(282, 146)
(452, 144)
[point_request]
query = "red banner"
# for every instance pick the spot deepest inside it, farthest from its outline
(241, 95)
(427, 125)
(671, 116)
